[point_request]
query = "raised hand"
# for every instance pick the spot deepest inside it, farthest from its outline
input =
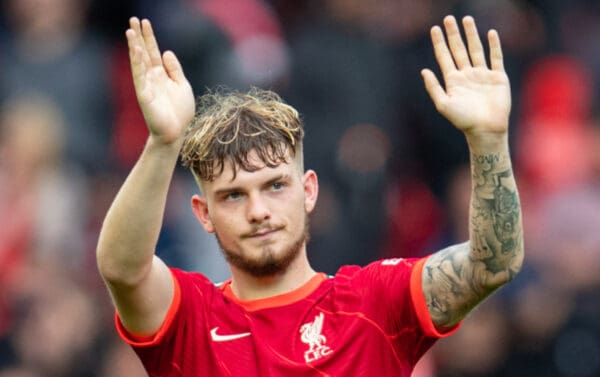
(164, 94)
(476, 99)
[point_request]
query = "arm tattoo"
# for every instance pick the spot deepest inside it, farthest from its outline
(459, 277)
(496, 229)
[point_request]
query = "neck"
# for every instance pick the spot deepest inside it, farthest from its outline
(247, 287)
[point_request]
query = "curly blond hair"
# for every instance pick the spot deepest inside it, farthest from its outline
(230, 124)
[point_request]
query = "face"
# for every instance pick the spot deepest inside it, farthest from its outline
(260, 218)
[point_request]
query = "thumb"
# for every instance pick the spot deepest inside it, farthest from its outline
(434, 89)
(173, 67)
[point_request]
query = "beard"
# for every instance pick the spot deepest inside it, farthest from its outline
(270, 262)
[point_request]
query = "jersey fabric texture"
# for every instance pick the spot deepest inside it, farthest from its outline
(364, 321)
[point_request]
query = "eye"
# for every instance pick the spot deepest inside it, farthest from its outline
(277, 186)
(234, 195)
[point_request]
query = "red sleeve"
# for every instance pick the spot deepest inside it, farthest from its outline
(393, 296)
(389, 293)
(420, 306)
(182, 338)
(155, 339)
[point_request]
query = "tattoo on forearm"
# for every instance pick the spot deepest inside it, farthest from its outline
(495, 217)
(459, 277)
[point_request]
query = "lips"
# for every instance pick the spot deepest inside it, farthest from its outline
(262, 233)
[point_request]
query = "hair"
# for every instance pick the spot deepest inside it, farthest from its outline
(230, 124)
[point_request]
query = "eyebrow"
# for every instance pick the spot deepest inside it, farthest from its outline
(277, 178)
(280, 177)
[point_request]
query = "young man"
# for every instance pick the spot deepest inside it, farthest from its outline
(277, 316)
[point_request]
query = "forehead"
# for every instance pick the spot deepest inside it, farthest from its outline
(239, 177)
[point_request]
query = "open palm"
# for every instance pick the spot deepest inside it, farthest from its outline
(476, 99)
(164, 94)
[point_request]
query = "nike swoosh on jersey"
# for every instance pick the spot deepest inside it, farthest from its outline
(225, 338)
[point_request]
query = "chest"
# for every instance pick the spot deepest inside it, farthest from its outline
(299, 340)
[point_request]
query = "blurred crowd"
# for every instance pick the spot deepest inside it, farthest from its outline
(394, 178)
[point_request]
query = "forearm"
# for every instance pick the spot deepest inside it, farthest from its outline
(476, 100)
(132, 225)
(495, 226)
(459, 277)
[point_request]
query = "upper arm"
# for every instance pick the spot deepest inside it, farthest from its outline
(454, 283)
(143, 306)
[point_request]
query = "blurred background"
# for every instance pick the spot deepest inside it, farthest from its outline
(393, 173)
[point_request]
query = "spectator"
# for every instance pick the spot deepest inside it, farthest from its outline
(49, 51)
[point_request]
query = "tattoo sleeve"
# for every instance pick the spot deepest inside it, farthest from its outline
(457, 278)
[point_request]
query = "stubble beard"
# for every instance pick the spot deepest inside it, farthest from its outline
(269, 263)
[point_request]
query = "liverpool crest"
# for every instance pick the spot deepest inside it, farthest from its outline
(311, 334)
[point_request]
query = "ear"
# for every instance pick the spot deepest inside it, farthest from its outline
(311, 190)
(200, 209)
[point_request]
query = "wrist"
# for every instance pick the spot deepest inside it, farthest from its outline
(481, 142)
(161, 145)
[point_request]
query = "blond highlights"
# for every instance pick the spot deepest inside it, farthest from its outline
(229, 125)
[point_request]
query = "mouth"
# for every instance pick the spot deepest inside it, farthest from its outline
(263, 233)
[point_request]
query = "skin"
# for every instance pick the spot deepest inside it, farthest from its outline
(476, 100)
(140, 283)
(260, 217)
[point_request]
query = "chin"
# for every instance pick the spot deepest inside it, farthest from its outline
(268, 261)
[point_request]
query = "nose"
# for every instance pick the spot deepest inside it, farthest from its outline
(257, 209)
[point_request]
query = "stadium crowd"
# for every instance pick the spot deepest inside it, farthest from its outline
(392, 171)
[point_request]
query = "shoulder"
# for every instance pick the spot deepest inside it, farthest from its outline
(383, 274)
(376, 268)
(184, 275)
(190, 282)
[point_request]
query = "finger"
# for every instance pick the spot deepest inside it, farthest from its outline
(459, 52)
(150, 43)
(138, 70)
(473, 42)
(434, 89)
(440, 49)
(134, 24)
(136, 28)
(173, 67)
(136, 61)
(135, 53)
(496, 58)
(138, 40)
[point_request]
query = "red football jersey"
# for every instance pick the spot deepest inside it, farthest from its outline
(370, 321)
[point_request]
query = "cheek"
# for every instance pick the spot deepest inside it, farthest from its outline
(226, 223)
(297, 211)
(226, 235)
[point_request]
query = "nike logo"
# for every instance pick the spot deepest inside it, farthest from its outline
(225, 338)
